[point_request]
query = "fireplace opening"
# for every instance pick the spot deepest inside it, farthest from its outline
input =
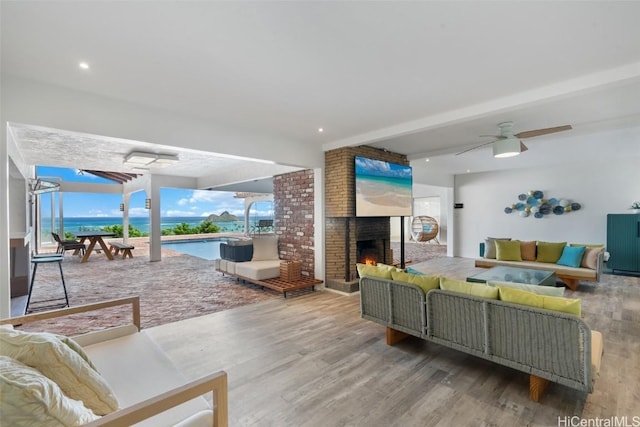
(370, 251)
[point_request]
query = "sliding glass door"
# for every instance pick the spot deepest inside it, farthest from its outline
(49, 218)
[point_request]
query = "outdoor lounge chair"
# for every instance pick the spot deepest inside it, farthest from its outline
(68, 245)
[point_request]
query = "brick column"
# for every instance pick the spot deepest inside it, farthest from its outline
(294, 219)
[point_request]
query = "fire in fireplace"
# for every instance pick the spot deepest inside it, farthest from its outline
(370, 251)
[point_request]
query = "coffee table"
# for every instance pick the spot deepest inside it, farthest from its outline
(515, 274)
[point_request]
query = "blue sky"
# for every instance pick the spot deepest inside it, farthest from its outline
(381, 168)
(174, 202)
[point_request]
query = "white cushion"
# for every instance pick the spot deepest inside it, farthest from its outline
(258, 270)
(77, 378)
(29, 399)
(536, 289)
(201, 419)
(138, 369)
(597, 347)
(265, 248)
(228, 266)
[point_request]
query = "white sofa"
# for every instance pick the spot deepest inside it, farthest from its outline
(264, 264)
(149, 389)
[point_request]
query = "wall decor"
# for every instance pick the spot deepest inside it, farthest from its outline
(533, 203)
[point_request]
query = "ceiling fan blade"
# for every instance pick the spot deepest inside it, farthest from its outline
(539, 132)
(474, 148)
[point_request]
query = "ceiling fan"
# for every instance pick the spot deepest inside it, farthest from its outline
(508, 144)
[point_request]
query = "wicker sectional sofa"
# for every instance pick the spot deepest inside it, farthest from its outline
(548, 345)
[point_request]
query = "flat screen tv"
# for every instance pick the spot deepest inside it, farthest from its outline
(383, 188)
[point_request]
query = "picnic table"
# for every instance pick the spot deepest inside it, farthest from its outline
(95, 237)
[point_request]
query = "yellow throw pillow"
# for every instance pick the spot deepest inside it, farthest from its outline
(550, 251)
(426, 283)
(508, 250)
(564, 305)
(62, 365)
(387, 268)
(30, 398)
(382, 271)
(468, 288)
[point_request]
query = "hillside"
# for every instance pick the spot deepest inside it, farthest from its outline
(223, 217)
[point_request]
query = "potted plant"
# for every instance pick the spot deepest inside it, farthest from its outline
(635, 206)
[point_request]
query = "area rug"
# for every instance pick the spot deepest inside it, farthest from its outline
(415, 252)
(178, 287)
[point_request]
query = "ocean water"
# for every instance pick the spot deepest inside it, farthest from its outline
(141, 223)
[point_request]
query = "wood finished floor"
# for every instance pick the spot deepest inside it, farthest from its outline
(312, 361)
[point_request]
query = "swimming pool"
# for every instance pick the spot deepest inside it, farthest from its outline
(208, 249)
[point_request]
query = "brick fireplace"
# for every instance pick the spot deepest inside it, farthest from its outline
(350, 239)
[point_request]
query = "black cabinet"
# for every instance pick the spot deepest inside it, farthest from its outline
(623, 242)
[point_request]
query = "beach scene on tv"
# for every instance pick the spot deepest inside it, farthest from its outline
(382, 188)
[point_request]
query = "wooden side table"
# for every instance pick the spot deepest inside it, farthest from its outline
(290, 271)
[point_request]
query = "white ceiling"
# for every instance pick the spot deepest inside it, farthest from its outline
(418, 78)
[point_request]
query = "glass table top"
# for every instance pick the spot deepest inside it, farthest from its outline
(514, 274)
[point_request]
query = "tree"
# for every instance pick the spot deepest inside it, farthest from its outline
(118, 230)
(183, 228)
(208, 227)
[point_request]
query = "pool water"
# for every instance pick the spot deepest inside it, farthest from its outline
(208, 249)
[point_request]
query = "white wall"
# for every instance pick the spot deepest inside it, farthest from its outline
(444, 193)
(446, 214)
(600, 187)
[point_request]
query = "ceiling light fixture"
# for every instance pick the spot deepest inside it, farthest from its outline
(84, 65)
(507, 147)
(141, 160)
(320, 130)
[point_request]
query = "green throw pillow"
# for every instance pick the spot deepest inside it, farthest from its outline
(564, 305)
(550, 251)
(490, 246)
(571, 256)
(468, 288)
(508, 250)
(426, 283)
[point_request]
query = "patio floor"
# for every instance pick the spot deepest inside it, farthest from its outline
(178, 287)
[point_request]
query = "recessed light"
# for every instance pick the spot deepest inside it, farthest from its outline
(426, 160)
(468, 170)
(320, 130)
(84, 65)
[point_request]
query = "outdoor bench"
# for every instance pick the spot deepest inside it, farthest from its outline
(116, 247)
